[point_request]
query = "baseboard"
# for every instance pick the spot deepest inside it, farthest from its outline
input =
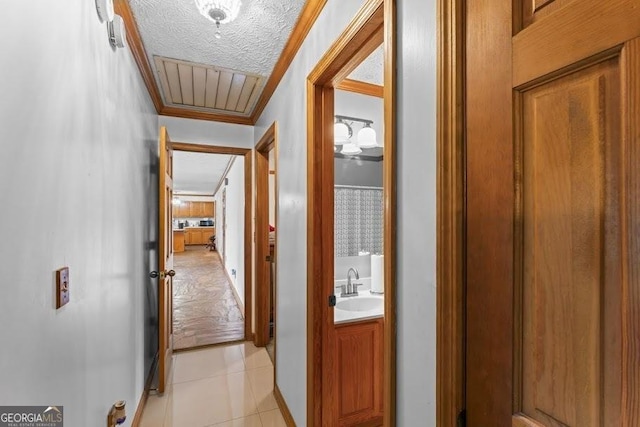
(137, 418)
(233, 288)
(284, 409)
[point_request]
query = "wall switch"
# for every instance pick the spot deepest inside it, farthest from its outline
(62, 287)
(233, 272)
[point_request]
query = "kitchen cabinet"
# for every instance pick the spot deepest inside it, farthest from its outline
(198, 235)
(188, 209)
(178, 240)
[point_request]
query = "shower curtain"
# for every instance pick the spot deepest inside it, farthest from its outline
(358, 220)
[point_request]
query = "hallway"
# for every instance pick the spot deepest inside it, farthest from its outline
(205, 311)
(223, 386)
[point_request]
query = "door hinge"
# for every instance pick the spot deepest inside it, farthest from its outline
(332, 300)
(462, 419)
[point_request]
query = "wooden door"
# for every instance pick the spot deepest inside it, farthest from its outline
(553, 198)
(165, 265)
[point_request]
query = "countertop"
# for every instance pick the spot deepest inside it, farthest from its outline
(208, 227)
(364, 291)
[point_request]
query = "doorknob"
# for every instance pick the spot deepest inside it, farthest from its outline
(162, 274)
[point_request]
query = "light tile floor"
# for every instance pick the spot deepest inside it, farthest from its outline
(224, 386)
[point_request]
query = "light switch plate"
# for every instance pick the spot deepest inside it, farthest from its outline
(62, 286)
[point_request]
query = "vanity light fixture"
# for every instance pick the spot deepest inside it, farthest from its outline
(367, 137)
(219, 11)
(351, 149)
(342, 133)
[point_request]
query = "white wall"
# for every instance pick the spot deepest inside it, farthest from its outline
(234, 248)
(416, 114)
(79, 138)
(208, 133)
(416, 207)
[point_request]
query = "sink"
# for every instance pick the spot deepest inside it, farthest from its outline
(360, 304)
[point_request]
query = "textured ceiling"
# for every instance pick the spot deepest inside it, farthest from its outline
(198, 173)
(251, 44)
(371, 69)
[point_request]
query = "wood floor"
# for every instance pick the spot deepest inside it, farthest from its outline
(205, 311)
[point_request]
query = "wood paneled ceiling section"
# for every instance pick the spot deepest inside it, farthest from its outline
(198, 86)
(169, 105)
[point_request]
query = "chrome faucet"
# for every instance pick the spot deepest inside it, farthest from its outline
(352, 288)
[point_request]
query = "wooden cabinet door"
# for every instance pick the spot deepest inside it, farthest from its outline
(208, 209)
(183, 209)
(359, 351)
(553, 213)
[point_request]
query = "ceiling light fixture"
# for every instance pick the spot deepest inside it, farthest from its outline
(219, 11)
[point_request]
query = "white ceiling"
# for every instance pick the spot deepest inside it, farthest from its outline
(198, 173)
(250, 44)
(371, 69)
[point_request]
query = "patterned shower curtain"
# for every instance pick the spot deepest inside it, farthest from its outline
(358, 220)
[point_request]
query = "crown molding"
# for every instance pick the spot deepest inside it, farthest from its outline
(134, 40)
(307, 18)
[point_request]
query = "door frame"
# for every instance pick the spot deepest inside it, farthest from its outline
(450, 258)
(247, 153)
(373, 25)
(268, 142)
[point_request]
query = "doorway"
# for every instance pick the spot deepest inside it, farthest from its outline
(537, 279)
(266, 239)
(212, 293)
(208, 297)
(363, 394)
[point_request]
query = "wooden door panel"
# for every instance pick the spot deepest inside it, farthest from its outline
(359, 377)
(572, 34)
(165, 260)
(534, 10)
(552, 202)
(570, 139)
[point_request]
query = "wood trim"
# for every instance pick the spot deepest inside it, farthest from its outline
(362, 88)
(373, 25)
(224, 175)
(248, 243)
(248, 216)
(211, 149)
(137, 417)
(267, 142)
(307, 18)
(134, 40)
(284, 409)
(362, 36)
(450, 214)
(567, 46)
(390, 230)
(192, 195)
(631, 228)
(186, 113)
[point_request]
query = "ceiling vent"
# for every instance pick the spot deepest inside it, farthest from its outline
(207, 88)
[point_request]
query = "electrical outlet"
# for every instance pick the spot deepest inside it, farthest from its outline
(62, 286)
